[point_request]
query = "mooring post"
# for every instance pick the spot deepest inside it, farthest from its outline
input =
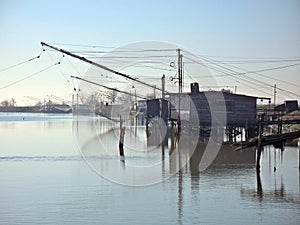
(299, 152)
(121, 140)
(163, 145)
(279, 126)
(259, 186)
(121, 122)
(258, 157)
(259, 144)
(230, 134)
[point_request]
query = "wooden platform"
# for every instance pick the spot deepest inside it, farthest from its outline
(273, 139)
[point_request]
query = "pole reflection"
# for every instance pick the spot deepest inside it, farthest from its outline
(274, 190)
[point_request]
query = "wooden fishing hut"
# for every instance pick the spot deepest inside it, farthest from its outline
(198, 112)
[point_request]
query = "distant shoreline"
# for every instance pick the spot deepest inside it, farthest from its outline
(37, 109)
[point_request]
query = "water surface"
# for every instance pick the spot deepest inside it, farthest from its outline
(45, 180)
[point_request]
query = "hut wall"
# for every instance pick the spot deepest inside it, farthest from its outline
(240, 110)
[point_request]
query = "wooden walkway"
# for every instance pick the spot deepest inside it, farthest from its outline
(268, 140)
(274, 139)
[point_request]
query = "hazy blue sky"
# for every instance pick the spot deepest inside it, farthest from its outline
(252, 29)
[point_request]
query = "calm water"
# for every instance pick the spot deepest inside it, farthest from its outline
(44, 180)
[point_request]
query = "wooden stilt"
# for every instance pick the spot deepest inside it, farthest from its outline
(259, 186)
(299, 152)
(121, 140)
(258, 155)
(259, 144)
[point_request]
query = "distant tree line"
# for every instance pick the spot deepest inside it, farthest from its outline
(8, 103)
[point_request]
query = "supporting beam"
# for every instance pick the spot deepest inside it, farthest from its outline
(299, 153)
(259, 145)
(99, 65)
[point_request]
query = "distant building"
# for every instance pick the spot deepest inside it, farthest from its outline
(287, 106)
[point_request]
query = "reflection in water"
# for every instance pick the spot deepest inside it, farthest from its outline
(153, 153)
(182, 156)
(43, 175)
(259, 189)
(122, 162)
(180, 198)
(275, 192)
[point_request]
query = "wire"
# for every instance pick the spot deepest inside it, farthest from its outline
(274, 68)
(122, 51)
(29, 76)
(20, 63)
(232, 75)
(237, 73)
(127, 57)
(249, 58)
(129, 77)
(78, 74)
(264, 75)
(113, 47)
(267, 84)
(259, 61)
(79, 45)
(60, 71)
(109, 88)
(263, 70)
(216, 65)
(246, 82)
(294, 94)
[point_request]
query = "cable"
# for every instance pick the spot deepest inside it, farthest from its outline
(78, 74)
(274, 68)
(60, 71)
(122, 51)
(231, 75)
(250, 79)
(264, 75)
(79, 45)
(267, 84)
(109, 88)
(234, 73)
(20, 63)
(127, 76)
(288, 92)
(112, 47)
(125, 56)
(248, 72)
(29, 76)
(249, 58)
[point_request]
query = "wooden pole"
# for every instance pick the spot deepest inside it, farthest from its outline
(259, 144)
(163, 145)
(259, 186)
(259, 148)
(275, 91)
(230, 131)
(121, 140)
(299, 152)
(163, 83)
(180, 81)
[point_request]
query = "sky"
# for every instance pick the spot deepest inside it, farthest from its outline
(234, 32)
